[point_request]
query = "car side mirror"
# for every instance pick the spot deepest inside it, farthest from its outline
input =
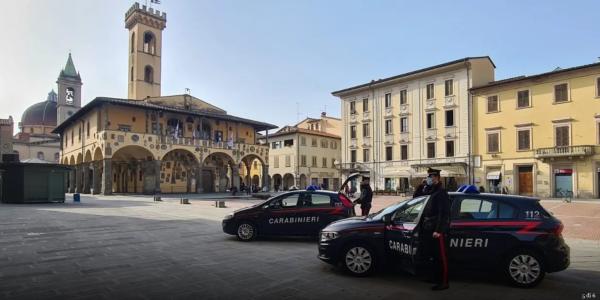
(387, 219)
(266, 206)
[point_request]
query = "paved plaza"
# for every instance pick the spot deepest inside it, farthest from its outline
(133, 248)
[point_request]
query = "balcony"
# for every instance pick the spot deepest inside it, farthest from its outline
(564, 151)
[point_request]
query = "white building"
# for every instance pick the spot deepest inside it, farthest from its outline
(398, 126)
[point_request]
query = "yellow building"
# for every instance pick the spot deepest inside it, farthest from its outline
(150, 143)
(539, 135)
(306, 153)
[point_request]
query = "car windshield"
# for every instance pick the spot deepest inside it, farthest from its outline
(379, 215)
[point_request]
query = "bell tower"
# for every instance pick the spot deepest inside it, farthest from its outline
(145, 26)
(69, 92)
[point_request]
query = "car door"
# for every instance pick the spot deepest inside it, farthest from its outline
(280, 215)
(402, 234)
(318, 210)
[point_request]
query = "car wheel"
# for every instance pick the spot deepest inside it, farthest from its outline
(246, 231)
(359, 260)
(524, 268)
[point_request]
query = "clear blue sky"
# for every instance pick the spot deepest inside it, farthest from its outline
(257, 59)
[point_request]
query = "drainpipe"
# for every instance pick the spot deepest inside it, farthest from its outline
(470, 168)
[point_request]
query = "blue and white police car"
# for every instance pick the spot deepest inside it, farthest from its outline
(514, 235)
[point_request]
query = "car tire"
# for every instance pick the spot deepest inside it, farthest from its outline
(359, 260)
(524, 268)
(246, 231)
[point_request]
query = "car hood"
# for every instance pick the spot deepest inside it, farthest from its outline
(352, 223)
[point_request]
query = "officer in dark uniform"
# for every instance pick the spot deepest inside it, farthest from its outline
(366, 196)
(436, 222)
(422, 189)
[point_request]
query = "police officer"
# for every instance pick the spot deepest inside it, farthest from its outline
(436, 221)
(422, 189)
(366, 196)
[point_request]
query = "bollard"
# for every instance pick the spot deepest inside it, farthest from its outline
(184, 201)
(76, 197)
(157, 198)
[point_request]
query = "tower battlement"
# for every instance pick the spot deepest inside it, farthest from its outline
(143, 9)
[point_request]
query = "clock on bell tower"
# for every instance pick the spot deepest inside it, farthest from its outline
(69, 91)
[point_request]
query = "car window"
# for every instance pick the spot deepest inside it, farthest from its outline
(477, 209)
(286, 201)
(410, 212)
(506, 211)
(320, 200)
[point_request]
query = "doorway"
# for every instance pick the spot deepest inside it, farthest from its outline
(563, 180)
(526, 180)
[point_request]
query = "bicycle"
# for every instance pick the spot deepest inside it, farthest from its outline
(565, 194)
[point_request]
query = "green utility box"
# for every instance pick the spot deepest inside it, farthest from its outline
(32, 182)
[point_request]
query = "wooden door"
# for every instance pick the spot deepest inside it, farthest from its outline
(525, 181)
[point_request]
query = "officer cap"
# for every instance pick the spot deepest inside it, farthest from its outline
(431, 171)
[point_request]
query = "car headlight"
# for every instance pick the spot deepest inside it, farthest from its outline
(329, 235)
(229, 216)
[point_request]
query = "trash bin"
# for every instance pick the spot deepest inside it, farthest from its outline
(76, 197)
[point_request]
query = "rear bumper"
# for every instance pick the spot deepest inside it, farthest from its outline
(558, 258)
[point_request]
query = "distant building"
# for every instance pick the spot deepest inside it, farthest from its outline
(6, 131)
(306, 153)
(35, 140)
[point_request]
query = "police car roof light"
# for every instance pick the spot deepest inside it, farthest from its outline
(468, 189)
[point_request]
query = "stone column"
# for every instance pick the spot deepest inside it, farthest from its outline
(265, 177)
(78, 179)
(85, 172)
(157, 176)
(96, 176)
(199, 187)
(235, 174)
(107, 176)
(72, 180)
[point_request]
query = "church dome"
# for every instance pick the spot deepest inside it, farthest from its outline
(42, 113)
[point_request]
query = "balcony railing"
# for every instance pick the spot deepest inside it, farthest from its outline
(562, 151)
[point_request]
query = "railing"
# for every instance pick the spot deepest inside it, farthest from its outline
(564, 151)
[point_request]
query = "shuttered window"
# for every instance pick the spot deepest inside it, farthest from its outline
(492, 104)
(449, 87)
(403, 95)
(352, 132)
(366, 132)
(389, 153)
(524, 139)
(388, 126)
(449, 148)
(388, 100)
(493, 141)
(430, 91)
(430, 150)
(523, 99)
(562, 136)
(365, 104)
(404, 152)
(366, 155)
(404, 124)
(352, 155)
(561, 93)
(598, 86)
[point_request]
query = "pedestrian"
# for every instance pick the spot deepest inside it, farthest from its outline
(366, 196)
(422, 189)
(436, 221)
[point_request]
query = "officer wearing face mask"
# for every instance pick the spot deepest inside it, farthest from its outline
(436, 222)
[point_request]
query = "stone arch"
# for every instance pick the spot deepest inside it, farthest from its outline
(180, 172)
(65, 161)
(277, 182)
(72, 160)
(132, 170)
(303, 181)
(88, 156)
(98, 154)
(252, 165)
(149, 42)
(288, 181)
(148, 74)
(219, 173)
(79, 159)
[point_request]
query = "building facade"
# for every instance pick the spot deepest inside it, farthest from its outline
(396, 127)
(306, 153)
(539, 135)
(6, 132)
(157, 144)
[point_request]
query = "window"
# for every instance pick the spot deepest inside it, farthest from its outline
(87, 129)
(430, 120)
(388, 100)
(148, 74)
(403, 152)
(403, 97)
(352, 107)
(366, 157)
(149, 43)
(430, 91)
(524, 139)
(389, 153)
(366, 130)
(411, 211)
(131, 74)
(302, 141)
(449, 87)
(288, 143)
(352, 132)
(366, 105)
(430, 150)
(40, 155)
(276, 161)
(324, 162)
(449, 118)
(493, 142)
(333, 145)
(523, 99)
(404, 124)
(303, 160)
(320, 200)
(561, 93)
(285, 202)
(333, 162)
(132, 42)
(449, 148)
(353, 156)
(388, 126)
(276, 145)
(56, 156)
(324, 143)
(598, 87)
(287, 160)
(562, 135)
(492, 104)
(313, 142)
(477, 209)
(314, 161)
(79, 133)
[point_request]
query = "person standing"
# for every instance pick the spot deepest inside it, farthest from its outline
(422, 189)
(366, 196)
(436, 222)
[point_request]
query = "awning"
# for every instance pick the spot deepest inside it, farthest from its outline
(493, 175)
(399, 173)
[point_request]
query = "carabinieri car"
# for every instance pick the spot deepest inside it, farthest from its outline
(514, 235)
(299, 212)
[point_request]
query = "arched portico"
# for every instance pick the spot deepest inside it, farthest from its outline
(179, 172)
(277, 181)
(288, 181)
(133, 170)
(218, 173)
(255, 167)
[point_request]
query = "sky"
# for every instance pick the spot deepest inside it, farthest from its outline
(278, 61)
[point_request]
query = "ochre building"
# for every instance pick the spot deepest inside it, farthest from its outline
(150, 143)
